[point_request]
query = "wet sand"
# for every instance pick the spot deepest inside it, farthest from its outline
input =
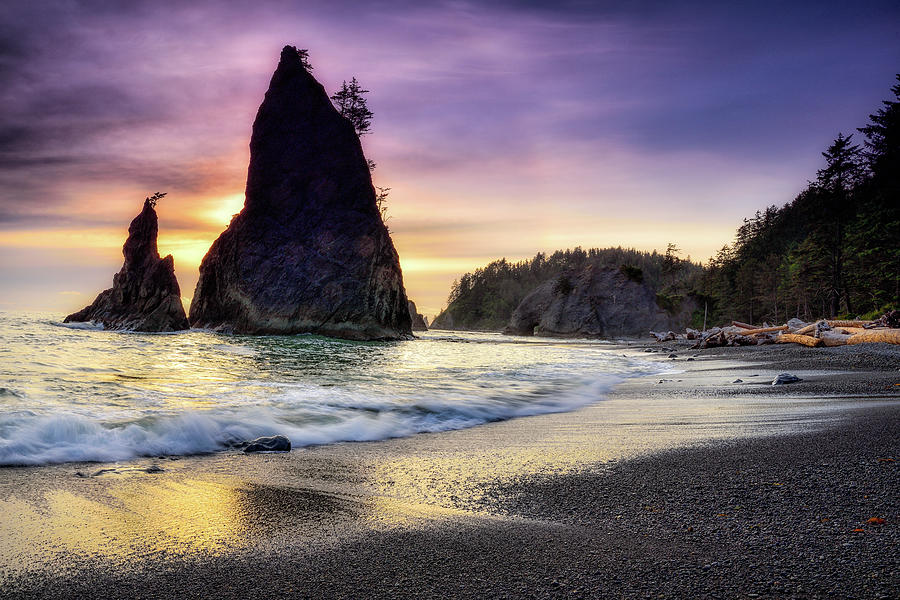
(684, 484)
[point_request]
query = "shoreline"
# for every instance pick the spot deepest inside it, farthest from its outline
(553, 505)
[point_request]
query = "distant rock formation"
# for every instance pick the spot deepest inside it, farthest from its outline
(598, 302)
(145, 295)
(444, 320)
(309, 251)
(418, 319)
(447, 320)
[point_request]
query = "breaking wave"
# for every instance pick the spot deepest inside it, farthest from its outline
(30, 439)
(73, 394)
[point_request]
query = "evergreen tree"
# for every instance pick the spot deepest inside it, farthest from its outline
(836, 184)
(381, 196)
(883, 142)
(843, 170)
(671, 260)
(303, 53)
(351, 104)
(152, 200)
(875, 236)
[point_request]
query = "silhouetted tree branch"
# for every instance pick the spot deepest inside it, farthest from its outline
(351, 104)
(152, 200)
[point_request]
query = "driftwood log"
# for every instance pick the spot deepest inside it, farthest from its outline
(793, 338)
(763, 330)
(813, 327)
(832, 338)
(887, 336)
(824, 332)
(663, 337)
(854, 330)
(740, 340)
(806, 330)
(848, 323)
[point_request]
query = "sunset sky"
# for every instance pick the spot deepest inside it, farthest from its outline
(502, 128)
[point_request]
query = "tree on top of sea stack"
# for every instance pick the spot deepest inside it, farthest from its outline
(309, 251)
(145, 295)
(152, 200)
(353, 106)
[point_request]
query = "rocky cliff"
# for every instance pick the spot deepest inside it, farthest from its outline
(444, 320)
(145, 295)
(597, 302)
(418, 319)
(309, 251)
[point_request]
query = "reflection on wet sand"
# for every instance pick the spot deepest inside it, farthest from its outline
(139, 516)
(126, 519)
(386, 512)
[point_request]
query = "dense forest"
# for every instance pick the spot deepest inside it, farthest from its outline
(486, 298)
(834, 251)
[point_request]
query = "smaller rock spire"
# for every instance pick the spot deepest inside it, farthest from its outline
(145, 295)
(141, 243)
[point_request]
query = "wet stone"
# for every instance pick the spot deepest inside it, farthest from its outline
(785, 378)
(275, 443)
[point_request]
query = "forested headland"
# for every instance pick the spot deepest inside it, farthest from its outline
(833, 251)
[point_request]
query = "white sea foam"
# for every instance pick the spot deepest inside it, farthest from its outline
(70, 393)
(34, 438)
(85, 325)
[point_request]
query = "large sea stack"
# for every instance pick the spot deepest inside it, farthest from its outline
(145, 295)
(309, 251)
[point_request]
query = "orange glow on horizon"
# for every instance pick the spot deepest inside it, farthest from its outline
(435, 249)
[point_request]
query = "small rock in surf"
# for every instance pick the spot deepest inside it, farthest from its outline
(275, 443)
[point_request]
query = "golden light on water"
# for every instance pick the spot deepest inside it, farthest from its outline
(130, 517)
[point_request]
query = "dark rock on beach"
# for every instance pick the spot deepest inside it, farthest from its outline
(275, 443)
(145, 295)
(418, 319)
(309, 251)
(596, 302)
(785, 378)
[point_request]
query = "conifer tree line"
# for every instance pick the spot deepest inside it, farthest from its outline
(834, 251)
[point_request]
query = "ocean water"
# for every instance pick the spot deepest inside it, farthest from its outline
(78, 393)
